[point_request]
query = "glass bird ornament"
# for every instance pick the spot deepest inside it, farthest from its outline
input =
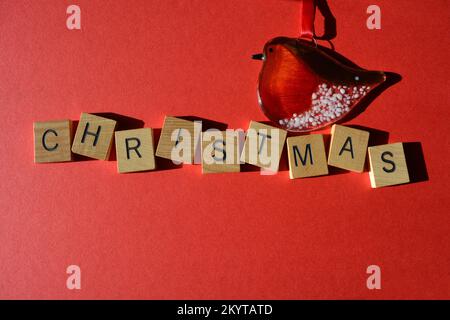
(303, 88)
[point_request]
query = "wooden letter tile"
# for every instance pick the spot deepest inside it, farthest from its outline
(94, 136)
(348, 148)
(307, 157)
(134, 150)
(387, 165)
(52, 141)
(179, 140)
(220, 151)
(263, 146)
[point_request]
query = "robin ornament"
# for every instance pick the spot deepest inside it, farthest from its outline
(302, 87)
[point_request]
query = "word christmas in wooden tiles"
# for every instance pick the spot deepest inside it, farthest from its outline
(220, 151)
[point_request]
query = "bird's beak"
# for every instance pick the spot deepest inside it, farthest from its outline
(259, 56)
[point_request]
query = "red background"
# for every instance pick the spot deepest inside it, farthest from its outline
(178, 233)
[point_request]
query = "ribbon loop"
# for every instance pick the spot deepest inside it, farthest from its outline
(307, 17)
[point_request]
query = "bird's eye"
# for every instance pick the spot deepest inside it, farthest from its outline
(270, 49)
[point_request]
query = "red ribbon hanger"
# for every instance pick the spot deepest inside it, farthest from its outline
(307, 17)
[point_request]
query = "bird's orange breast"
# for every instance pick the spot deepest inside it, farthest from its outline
(285, 84)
